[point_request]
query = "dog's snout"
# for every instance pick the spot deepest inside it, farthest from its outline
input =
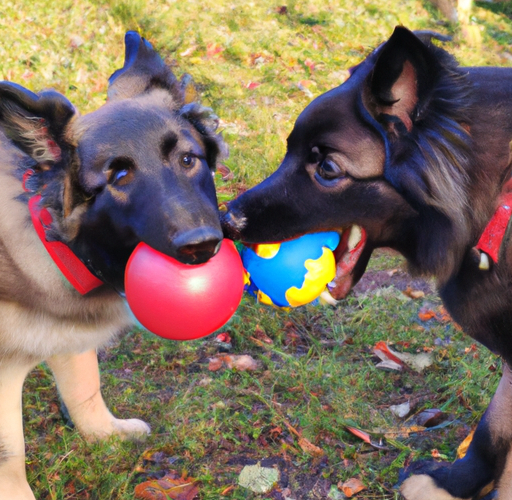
(232, 223)
(197, 246)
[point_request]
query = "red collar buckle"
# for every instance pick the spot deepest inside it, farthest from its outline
(492, 237)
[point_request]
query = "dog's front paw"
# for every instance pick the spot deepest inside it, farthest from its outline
(423, 487)
(131, 428)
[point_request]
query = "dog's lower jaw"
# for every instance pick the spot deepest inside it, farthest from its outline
(347, 256)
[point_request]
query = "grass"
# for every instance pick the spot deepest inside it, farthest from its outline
(257, 64)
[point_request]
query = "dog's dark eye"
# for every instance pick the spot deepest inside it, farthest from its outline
(329, 170)
(120, 171)
(188, 160)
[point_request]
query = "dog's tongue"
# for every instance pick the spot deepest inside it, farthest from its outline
(347, 254)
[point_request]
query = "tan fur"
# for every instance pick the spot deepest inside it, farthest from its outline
(43, 318)
(505, 484)
(422, 487)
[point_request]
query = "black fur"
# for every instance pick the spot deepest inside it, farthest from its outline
(415, 150)
(113, 178)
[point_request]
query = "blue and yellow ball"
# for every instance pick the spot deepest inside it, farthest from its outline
(291, 273)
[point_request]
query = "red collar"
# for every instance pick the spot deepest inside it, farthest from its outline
(492, 237)
(69, 264)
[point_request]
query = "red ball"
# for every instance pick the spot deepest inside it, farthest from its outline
(179, 301)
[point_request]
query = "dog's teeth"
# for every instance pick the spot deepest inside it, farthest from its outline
(326, 297)
(354, 237)
(484, 262)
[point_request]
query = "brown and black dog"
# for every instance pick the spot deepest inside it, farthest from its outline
(137, 169)
(411, 153)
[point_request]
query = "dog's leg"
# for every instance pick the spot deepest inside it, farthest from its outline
(488, 453)
(78, 381)
(13, 481)
(505, 483)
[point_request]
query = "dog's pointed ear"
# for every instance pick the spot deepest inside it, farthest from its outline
(401, 81)
(143, 70)
(35, 122)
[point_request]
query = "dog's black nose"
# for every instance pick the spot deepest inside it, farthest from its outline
(198, 245)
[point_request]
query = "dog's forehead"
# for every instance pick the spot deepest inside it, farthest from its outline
(337, 107)
(333, 123)
(123, 116)
(331, 120)
(131, 122)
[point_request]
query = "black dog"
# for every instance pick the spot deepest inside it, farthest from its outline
(411, 153)
(137, 169)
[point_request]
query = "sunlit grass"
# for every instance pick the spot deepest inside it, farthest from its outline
(258, 64)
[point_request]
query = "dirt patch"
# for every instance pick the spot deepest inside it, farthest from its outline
(397, 277)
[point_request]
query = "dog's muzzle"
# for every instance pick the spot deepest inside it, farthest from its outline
(232, 223)
(198, 245)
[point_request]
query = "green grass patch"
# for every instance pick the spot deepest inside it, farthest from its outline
(258, 64)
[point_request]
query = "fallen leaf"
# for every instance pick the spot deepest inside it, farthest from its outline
(440, 315)
(189, 51)
(366, 437)
(27, 75)
(463, 447)
(252, 85)
(227, 490)
(292, 339)
(352, 487)
(241, 362)
(275, 432)
(262, 336)
(257, 478)
(401, 410)
(359, 433)
(430, 417)
(388, 364)
(436, 454)
(310, 64)
(215, 364)
(213, 49)
(388, 357)
(335, 493)
(171, 486)
(413, 294)
(76, 41)
(417, 362)
(443, 315)
(305, 445)
(395, 360)
(309, 448)
(225, 172)
(470, 349)
(223, 337)
(303, 85)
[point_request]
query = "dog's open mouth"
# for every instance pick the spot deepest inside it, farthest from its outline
(347, 254)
